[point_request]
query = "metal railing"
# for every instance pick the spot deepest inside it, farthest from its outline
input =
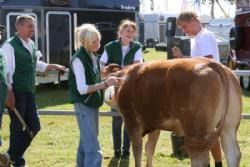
(101, 113)
(117, 114)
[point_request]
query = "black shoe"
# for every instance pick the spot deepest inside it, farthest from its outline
(218, 164)
(125, 154)
(4, 160)
(117, 154)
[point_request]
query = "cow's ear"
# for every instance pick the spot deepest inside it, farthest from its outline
(110, 70)
(114, 67)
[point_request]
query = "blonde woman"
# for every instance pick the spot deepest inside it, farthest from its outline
(123, 51)
(86, 93)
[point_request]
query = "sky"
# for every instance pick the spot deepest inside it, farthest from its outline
(177, 5)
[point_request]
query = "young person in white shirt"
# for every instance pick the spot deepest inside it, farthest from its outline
(123, 51)
(22, 61)
(203, 44)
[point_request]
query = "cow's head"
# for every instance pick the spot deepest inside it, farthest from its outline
(109, 94)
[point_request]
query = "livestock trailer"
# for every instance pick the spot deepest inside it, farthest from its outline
(239, 57)
(153, 27)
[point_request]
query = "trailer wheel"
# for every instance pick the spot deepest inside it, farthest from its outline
(245, 82)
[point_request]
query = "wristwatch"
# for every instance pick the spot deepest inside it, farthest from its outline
(106, 84)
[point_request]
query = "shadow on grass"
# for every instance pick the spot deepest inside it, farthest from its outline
(48, 95)
(119, 162)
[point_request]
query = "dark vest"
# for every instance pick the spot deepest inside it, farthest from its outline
(114, 52)
(94, 99)
(25, 71)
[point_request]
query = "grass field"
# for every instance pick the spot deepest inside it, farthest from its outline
(55, 145)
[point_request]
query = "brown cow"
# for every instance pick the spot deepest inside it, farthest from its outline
(196, 97)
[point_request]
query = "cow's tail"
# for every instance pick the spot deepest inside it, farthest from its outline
(200, 145)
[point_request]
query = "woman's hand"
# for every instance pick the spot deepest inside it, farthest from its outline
(113, 81)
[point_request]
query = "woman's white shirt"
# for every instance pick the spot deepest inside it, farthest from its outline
(125, 50)
(79, 72)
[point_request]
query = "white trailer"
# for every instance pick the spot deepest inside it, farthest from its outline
(153, 26)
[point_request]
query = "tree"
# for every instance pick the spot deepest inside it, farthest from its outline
(212, 3)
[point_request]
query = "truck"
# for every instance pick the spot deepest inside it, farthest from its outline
(239, 56)
(56, 21)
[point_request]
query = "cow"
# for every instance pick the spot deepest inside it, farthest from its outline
(195, 97)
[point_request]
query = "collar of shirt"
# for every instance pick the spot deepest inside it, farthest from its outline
(199, 33)
(125, 48)
(27, 45)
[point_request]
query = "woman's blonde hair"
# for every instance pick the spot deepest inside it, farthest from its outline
(187, 16)
(84, 35)
(125, 23)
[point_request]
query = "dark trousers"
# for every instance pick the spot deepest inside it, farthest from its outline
(117, 135)
(20, 139)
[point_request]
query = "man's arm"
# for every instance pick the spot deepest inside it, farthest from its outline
(10, 66)
(178, 54)
(55, 67)
(43, 67)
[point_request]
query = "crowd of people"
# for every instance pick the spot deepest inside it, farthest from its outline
(19, 61)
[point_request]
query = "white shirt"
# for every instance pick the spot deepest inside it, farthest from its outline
(79, 72)
(125, 50)
(205, 44)
(10, 59)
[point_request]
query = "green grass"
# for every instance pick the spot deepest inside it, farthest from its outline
(56, 144)
(151, 55)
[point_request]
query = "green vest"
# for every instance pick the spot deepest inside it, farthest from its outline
(3, 81)
(25, 71)
(94, 99)
(114, 52)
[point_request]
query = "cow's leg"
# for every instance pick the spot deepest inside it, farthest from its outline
(150, 146)
(200, 159)
(135, 133)
(230, 147)
(136, 140)
(228, 135)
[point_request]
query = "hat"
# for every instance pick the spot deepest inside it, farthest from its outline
(1, 27)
